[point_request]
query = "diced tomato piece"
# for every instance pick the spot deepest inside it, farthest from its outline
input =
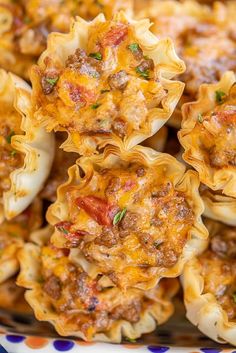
(96, 208)
(115, 35)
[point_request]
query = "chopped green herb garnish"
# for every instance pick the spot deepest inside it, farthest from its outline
(200, 118)
(13, 153)
(134, 47)
(97, 56)
(13, 235)
(62, 229)
(234, 297)
(95, 106)
(8, 138)
(220, 96)
(52, 81)
(26, 20)
(144, 74)
(41, 280)
(105, 90)
(118, 217)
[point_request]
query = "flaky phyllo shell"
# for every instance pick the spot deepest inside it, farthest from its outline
(26, 151)
(209, 286)
(13, 235)
(106, 82)
(158, 140)
(96, 309)
(134, 215)
(219, 207)
(208, 134)
(25, 24)
(12, 297)
(203, 38)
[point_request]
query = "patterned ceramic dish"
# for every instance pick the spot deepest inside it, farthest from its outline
(23, 334)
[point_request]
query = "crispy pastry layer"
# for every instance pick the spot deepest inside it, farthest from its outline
(135, 216)
(26, 151)
(94, 309)
(106, 82)
(218, 206)
(209, 283)
(13, 235)
(25, 25)
(205, 38)
(208, 135)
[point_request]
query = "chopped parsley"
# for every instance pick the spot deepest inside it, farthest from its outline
(52, 81)
(97, 56)
(13, 153)
(134, 47)
(13, 235)
(41, 280)
(234, 297)
(26, 20)
(95, 106)
(220, 96)
(105, 90)
(8, 137)
(62, 229)
(118, 217)
(200, 118)
(142, 73)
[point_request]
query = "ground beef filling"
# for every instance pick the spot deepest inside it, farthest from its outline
(219, 269)
(204, 61)
(158, 231)
(80, 298)
(10, 159)
(216, 132)
(172, 216)
(223, 152)
(103, 103)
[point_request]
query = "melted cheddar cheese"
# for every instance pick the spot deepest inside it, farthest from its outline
(108, 88)
(86, 305)
(128, 220)
(205, 39)
(214, 134)
(25, 25)
(219, 269)
(10, 159)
